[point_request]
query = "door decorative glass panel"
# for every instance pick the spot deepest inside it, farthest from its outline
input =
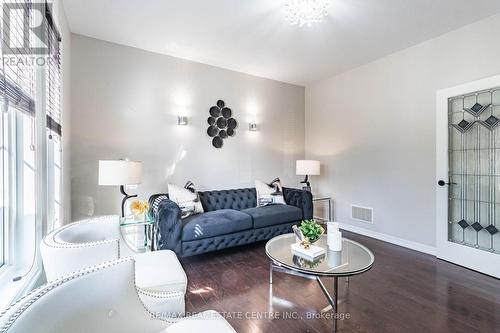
(474, 170)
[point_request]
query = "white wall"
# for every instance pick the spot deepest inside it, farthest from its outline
(373, 128)
(124, 104)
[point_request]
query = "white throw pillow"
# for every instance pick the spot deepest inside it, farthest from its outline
(266, 195)
(188, 201)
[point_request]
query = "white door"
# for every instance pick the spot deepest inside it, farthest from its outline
(468, 175)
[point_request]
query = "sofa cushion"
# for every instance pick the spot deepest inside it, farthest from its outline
(268, 194)
(188, 201)
(215, 223)
(228, 199)
(274, 214)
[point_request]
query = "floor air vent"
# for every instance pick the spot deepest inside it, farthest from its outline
(363, 214)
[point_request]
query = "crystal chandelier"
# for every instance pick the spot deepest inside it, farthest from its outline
(306, 12)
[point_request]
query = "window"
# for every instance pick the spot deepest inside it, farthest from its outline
(30, 143)
(17, 93)
(18, 186)
(53, 106)
(55, 181)
(4, 182)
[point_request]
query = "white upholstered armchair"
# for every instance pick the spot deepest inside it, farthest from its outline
(99, 299)
(161, 281)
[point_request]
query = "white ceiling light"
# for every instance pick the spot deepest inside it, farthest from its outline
(306, 12)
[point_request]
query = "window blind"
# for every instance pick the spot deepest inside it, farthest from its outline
(53, 84)
(17, 73)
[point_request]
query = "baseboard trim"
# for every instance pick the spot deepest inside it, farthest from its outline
(390, 239)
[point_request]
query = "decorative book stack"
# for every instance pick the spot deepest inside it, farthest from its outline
(312, 253)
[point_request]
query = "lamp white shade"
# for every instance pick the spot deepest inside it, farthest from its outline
(119, 172)
(307, 167)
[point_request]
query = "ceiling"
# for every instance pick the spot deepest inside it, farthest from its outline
(253, 36)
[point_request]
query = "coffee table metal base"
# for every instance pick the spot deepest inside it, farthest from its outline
(332, 299)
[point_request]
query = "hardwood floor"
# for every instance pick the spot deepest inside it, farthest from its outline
(405, 291)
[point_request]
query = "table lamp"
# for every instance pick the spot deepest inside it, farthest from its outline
(120, 173)
(307, 168)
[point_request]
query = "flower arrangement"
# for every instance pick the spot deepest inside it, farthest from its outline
(138, 207)
(311, 230)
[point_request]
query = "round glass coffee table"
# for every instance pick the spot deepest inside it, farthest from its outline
(352, 260)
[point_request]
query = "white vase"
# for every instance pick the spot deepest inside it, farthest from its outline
(334, 258)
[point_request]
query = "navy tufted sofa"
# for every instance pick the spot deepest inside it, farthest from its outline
(231, 218)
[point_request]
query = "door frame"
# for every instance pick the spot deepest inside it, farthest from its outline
(479, 260)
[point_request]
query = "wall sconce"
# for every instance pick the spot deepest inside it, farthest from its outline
(252, 127)
(182, 120)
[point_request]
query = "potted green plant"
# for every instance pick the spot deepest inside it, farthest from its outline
(311, 230)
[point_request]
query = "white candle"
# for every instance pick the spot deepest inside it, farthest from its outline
(334, 237)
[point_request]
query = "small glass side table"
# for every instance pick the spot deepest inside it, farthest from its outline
(330, 208)
(129, 229)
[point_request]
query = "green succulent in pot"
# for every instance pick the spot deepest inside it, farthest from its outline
(312, 230)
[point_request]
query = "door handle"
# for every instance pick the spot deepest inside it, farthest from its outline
(443, 183)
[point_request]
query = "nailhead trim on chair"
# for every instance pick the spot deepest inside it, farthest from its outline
(50, 286)
(97, 219)
(39, 292)
(160, 294)
(62, 245)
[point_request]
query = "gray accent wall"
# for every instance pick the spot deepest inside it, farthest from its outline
(373, 128)
(125, 102)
